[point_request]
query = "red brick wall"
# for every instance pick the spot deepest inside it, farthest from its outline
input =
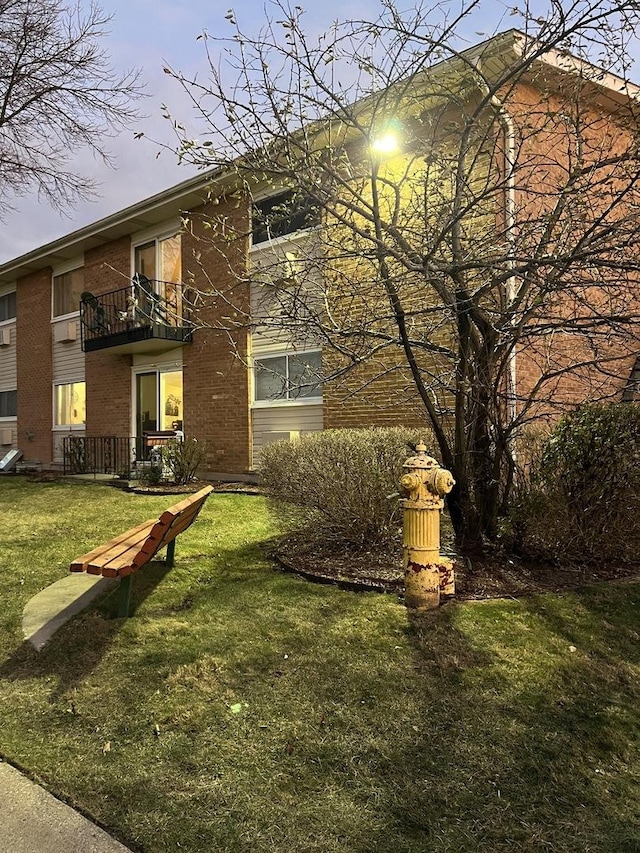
(35, 366)
(215, 375)
(607, 354)
(108, 375)
(216, 403)
(372, 395)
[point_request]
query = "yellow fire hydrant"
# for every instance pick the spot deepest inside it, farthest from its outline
(426, 574)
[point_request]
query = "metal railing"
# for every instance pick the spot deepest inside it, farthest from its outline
(143, 303)
(105, 454)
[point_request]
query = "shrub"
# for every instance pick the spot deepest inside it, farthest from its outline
(181, 459)
(75, 455)
(153, 475)
(581, 497)
(340, 485)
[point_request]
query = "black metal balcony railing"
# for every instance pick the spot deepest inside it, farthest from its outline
(144, 310)
(108, 454)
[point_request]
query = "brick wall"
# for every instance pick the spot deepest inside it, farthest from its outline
(380, 392)
(215, 375)
(35, 366)
(374, 394)
(600, 357)
(108, 375)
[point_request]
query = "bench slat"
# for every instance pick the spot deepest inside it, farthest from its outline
(80, 563)
(197, 498)
(133, 549)
(162, 534)
(122, 555)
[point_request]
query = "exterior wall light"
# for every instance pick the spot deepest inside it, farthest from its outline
(386, 144)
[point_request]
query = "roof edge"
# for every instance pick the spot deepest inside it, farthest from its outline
(173, 194)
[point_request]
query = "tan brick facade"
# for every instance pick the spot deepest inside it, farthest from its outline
(216, 364)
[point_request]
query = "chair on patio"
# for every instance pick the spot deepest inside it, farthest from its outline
(94, 315)
(147, 302)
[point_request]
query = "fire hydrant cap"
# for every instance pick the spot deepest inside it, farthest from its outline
(421, 460)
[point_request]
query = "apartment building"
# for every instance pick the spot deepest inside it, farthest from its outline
(104, 333)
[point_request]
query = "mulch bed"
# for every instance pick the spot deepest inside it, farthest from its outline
(189, 488)
(489, 577)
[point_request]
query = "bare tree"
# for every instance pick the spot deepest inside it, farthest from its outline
(58, 95)
(477, 257)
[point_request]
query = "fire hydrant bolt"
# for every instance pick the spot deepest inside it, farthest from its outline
(427, 574)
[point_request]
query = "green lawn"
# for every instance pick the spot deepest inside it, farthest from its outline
(241, 709)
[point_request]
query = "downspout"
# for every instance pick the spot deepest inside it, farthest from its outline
(510, 222)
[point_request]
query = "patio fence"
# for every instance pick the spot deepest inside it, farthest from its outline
(106, 454)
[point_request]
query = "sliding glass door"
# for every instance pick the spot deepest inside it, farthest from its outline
(159, 405)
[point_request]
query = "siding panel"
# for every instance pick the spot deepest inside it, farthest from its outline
(283, 419)
(8, 366)
(68, 358)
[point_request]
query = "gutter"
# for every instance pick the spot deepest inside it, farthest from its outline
(159, 206)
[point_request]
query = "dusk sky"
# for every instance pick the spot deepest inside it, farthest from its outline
(149, 34)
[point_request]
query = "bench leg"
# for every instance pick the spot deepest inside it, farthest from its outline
(171, 550)
(124, 600)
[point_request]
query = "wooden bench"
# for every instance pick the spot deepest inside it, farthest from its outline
(124, 555)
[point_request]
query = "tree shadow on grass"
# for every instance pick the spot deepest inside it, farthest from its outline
(77, 648)
(526, 751)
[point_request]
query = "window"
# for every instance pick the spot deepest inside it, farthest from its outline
(70, 405)
(66, 292)
(288, 377)
(160, 259)
(282, 214)
(7, 306)
(8, 404)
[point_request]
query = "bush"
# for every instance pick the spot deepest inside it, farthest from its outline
(181, 459)
(339, 486)
(581, 496)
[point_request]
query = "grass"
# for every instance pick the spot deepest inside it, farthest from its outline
(242, 709)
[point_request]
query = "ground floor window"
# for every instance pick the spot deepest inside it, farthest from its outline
(8, 404)
(70, 404)
(289, 376)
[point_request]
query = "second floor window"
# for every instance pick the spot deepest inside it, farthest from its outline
(7, 306)
(282, 214)
(66, 292)
(159, 259)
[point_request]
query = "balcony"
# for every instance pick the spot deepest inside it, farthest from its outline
(145, 316)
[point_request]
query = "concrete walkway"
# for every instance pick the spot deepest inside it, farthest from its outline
(33, 821)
